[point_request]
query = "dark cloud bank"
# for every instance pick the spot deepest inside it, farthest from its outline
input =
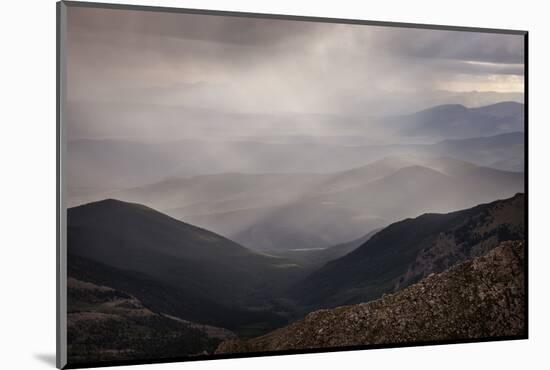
(229, 65)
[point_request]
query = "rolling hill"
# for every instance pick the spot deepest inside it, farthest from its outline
(174, 267)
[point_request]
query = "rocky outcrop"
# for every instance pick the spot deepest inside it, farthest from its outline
(480, 298)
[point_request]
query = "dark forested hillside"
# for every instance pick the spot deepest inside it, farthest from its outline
(176, 268)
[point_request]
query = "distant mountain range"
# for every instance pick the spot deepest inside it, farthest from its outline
(409, 250)
(480, 298)
(342, 206)
(458, 122)
(504, 151)
(268, 212)
(487, 136)
(99, 167)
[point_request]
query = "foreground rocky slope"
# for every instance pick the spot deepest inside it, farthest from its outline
(479, 298)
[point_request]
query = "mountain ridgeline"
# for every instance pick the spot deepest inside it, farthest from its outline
(486, 136)
(457, 121)
(407, 251)
(280, 212)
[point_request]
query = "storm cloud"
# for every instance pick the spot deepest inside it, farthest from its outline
(265, 66)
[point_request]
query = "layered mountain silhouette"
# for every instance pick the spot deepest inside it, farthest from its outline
(407, 251)
(344, 205)
(504, 151)
(97, 167)
(268, 212)
(457, 121)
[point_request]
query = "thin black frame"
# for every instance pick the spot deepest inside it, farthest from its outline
(61, 268)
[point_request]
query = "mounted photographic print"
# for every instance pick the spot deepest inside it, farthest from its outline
(235, 184)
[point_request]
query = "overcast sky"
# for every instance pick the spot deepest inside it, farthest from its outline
(261, 66)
